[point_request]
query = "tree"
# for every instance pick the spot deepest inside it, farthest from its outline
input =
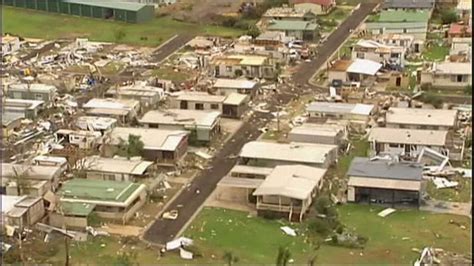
(119, 34)
(125, 259)
(468, 89)
(253, 31)
(283, 256)
(230, 258)
(238, 72)
(448, 16)
(133, 147)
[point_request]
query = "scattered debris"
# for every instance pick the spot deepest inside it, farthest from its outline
(386, 212)
(289, 231)
(178, 243)
(171, 215)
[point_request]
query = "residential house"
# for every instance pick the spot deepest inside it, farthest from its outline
(229, 86)
(72, 215)
(269, 44)
(10, 44)
(202, 125)
(318, 134)
(301, 30)
(115, 169)
(35, 180)
(464, 10)
(55, 161)
(96, 123)
(385, 54)
(27, 108)
(412, 22)
(283, 191)
(416, 118)
(249, 66)
(406, 41)
(83, 139)
(35, 91)
(288, 14)
(318, 7)
(270, 38)
(233, 105)
(21, 211)
(121, 109)
(461, 46)
(407, 143)
(359, 70)
(109, 199)
(147, 95)
(384, 182)
(10, 122)
(457, 30)
(355, 113)
(408, 4)
(162, 146)
(268, 154)
(450, 75)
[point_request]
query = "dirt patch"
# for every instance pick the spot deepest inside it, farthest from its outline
(202, 11)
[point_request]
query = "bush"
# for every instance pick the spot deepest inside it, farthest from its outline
(253, 31)
(448, 16)
(324, 206)
(320, 226)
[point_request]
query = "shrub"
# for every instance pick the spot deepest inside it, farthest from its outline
(320, 226)
(448, 16)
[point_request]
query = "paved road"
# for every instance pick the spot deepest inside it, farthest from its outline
(169, 48)
(189, 201)
(332, 43)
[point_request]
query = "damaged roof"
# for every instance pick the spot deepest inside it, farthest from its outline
(153, 139)
(191, 118)
(115, 165)
(421, 116)
(408, 136)
(364, 167)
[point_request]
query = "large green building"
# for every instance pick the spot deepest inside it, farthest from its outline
(102, 9)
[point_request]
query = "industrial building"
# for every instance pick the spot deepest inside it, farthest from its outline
(105, 9)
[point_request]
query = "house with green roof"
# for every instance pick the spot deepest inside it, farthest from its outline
(108, 199)
(410, 22)
(301, 30)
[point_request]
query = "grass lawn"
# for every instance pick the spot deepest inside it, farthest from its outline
(256, 240)
(436, 53)
(36, 24)
(462, 193)
(360, 148)
(169, 73)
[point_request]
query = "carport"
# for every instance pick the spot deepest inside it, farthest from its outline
(237, 190)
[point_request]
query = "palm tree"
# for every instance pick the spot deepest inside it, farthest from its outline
(283, 256)
(230, 258)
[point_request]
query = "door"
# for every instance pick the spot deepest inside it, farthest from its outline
(398, 82)
(417, 47)
(183, 105)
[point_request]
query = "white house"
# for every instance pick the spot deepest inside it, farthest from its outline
(416, 118)
(377, 52)
(452, 75)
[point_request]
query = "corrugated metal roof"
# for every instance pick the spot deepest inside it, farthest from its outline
(116, 165)
(364, 66)
(364, 167)
(187, 118)
(384, 183)
(408, 136)
(153, 139)
(235, 99)
(234, 84)
(115, 4)
(285, 25)
(418, 116)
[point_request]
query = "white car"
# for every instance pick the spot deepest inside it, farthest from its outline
(171, 215)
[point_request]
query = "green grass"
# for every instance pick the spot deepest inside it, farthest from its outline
(256, 240)
(36, 24)
(436, 53)
(462, 193)
(169, 73)
(360, 148)
(273, 135)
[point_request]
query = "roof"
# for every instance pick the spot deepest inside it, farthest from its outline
(284, 25)
(408, 136)
(317, 2)
(111, 103)
(453, 68)
(8, 118)
(187, 118)
(316, 130)
(292, 152)
(364, 167)
(235, 84)
(35, 87)
(370, 182)
(35, 172)
(379, 47)
(285, 12)
(8, 202)
(292, 181)
(419, 116)
(97, 122)
(98, 190)
(238, 182)
(456, 28)
(115, 4)
(200, 97)
(427, 4)
(247, 169)
(464, 5)
(21, 103)
(461, 40)
(340, 65)
(404, 16)
(153, 139)
(76, 208)
(399, 26)
(340, 108)
(235, 99)
(107, 111)
(250, 60)
(115, 165)
(364, 66)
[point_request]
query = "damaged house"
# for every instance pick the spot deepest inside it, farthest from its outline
(377, 52)
(416, 118)
(358, 70)
(385, 182)
(318, 134)
(229, 86)
(21, 211)
(115, 169)
(121, 109)
(147, 95)
(249, 66)
(83, 139)
(35, 91)
(163, 146)
(318, 7)
(301, 30)
(202, 125)
(355, 113)
(450, 75)
(27, 108)
(96, 123)
(33, 180)
(268, 154)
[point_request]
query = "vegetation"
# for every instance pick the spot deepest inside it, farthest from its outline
(36, 24)
(461, 193)
(448, 16)
(431, 98)
(131, 148)
(283, 256)
(436, 52)
(230, 258)
(468, 90)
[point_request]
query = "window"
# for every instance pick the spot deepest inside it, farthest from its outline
(360, 55)
(381, 55)
(393, 145)
(404, 30)
(38, 96)
(228, 69)
(199, 106)
(214, 106)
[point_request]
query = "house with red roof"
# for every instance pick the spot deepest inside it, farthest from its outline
(316, 6)
(457, 30)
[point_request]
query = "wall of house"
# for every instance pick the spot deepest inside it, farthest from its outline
(395, 125)
(418, 33)
(58, 220)
(176, 104)
(316, 9)
(332, 75)
(35, 212)
(398, 149)
(445, 81)
(25, 95)
(108, 176)
(321, 139)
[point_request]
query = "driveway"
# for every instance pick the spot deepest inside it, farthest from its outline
(191, 198)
